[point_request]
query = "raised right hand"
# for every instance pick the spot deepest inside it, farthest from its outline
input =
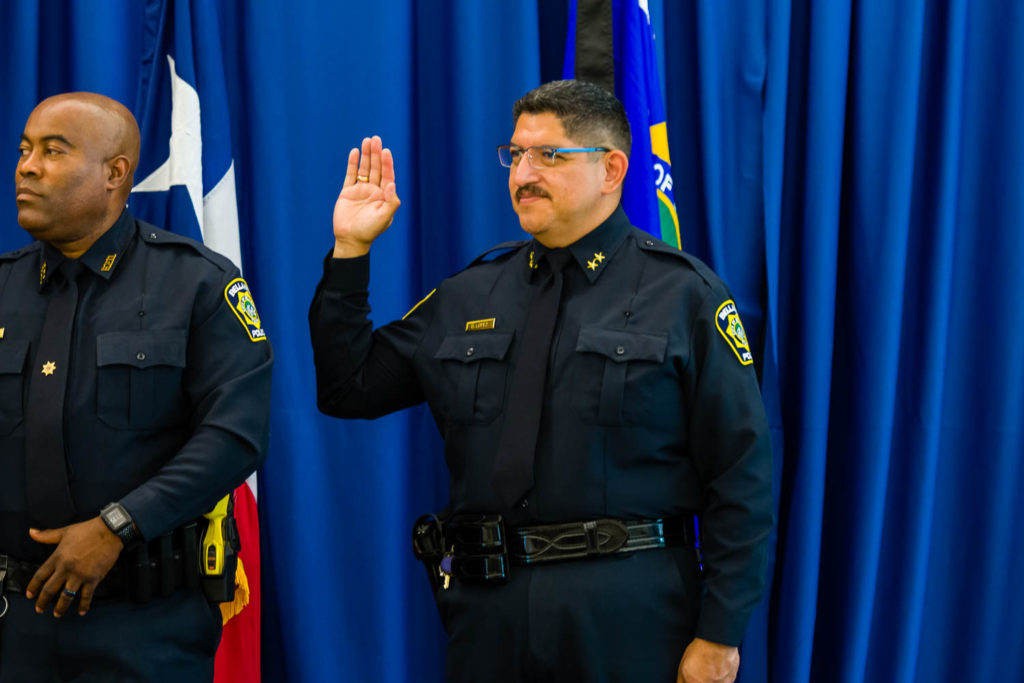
(368, 199)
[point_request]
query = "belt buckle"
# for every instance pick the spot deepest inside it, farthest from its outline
(604, 536)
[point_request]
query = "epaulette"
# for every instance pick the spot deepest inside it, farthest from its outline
(504, 246)
(158, 237)
(648, 242)
(29, 248)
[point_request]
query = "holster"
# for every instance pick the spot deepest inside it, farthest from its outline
(428, 546)
(469, 547)
(219, 582)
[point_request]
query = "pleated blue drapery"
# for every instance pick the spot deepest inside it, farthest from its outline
(855, 172)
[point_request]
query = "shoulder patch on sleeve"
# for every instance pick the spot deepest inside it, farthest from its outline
(240, 300)
(727, 319)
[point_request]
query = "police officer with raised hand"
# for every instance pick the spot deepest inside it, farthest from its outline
(135, 380)
(596, 393)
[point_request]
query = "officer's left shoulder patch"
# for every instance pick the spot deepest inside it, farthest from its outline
(240, 300)
(727, 319)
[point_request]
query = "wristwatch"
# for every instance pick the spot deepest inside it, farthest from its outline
(120, 522)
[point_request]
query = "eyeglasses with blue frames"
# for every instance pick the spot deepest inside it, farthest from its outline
(539, 156)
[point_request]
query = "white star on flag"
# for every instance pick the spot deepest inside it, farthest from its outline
(216, 211)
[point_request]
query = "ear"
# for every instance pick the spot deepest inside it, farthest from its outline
(119, 172)
(615, 165)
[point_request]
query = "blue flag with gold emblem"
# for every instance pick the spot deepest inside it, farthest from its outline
(612, 44)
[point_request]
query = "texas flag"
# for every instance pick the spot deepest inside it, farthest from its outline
(185, 183)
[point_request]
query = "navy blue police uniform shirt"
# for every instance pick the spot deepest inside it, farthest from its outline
(652, 407)
(167, 403)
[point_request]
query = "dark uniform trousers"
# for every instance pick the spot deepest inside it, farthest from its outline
(651, 411)
(166, 640)
(618, 619)
(166, 410)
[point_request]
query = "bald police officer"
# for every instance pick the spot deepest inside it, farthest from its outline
(135, 382)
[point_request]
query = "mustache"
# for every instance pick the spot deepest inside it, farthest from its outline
(530, 191)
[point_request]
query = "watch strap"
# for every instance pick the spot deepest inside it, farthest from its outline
(121, 524)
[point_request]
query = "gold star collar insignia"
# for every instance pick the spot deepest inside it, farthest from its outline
(49, 367)
(596, 260)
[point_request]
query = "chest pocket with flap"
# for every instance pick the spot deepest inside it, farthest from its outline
(139, 375)
(12, 383)
(476, 363)
(608, 361)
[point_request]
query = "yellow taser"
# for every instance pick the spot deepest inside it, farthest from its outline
(214, 540)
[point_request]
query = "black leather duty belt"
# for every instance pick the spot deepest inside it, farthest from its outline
(553, 542)
(480, 548)
(153, 569)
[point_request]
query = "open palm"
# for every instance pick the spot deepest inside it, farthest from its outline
(368, 198)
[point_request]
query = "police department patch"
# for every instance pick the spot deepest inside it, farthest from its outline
(727, 318)
(240, 299)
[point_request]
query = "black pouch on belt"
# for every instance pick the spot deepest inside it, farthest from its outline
(478, 548)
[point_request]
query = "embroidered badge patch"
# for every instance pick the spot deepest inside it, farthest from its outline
(476, 325)
(729, 325)
(240, 299)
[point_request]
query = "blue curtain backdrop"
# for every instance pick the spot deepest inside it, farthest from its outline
(854, 170)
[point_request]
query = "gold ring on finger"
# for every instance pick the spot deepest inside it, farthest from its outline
(363, 178)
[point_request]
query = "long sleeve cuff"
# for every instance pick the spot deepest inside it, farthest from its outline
(722, 626)
(347, 274)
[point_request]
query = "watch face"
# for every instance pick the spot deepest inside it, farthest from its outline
(117, 518)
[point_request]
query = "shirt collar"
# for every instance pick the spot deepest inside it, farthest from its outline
(105, 253)
(595, 250)
(50, 259)
(101, 258)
